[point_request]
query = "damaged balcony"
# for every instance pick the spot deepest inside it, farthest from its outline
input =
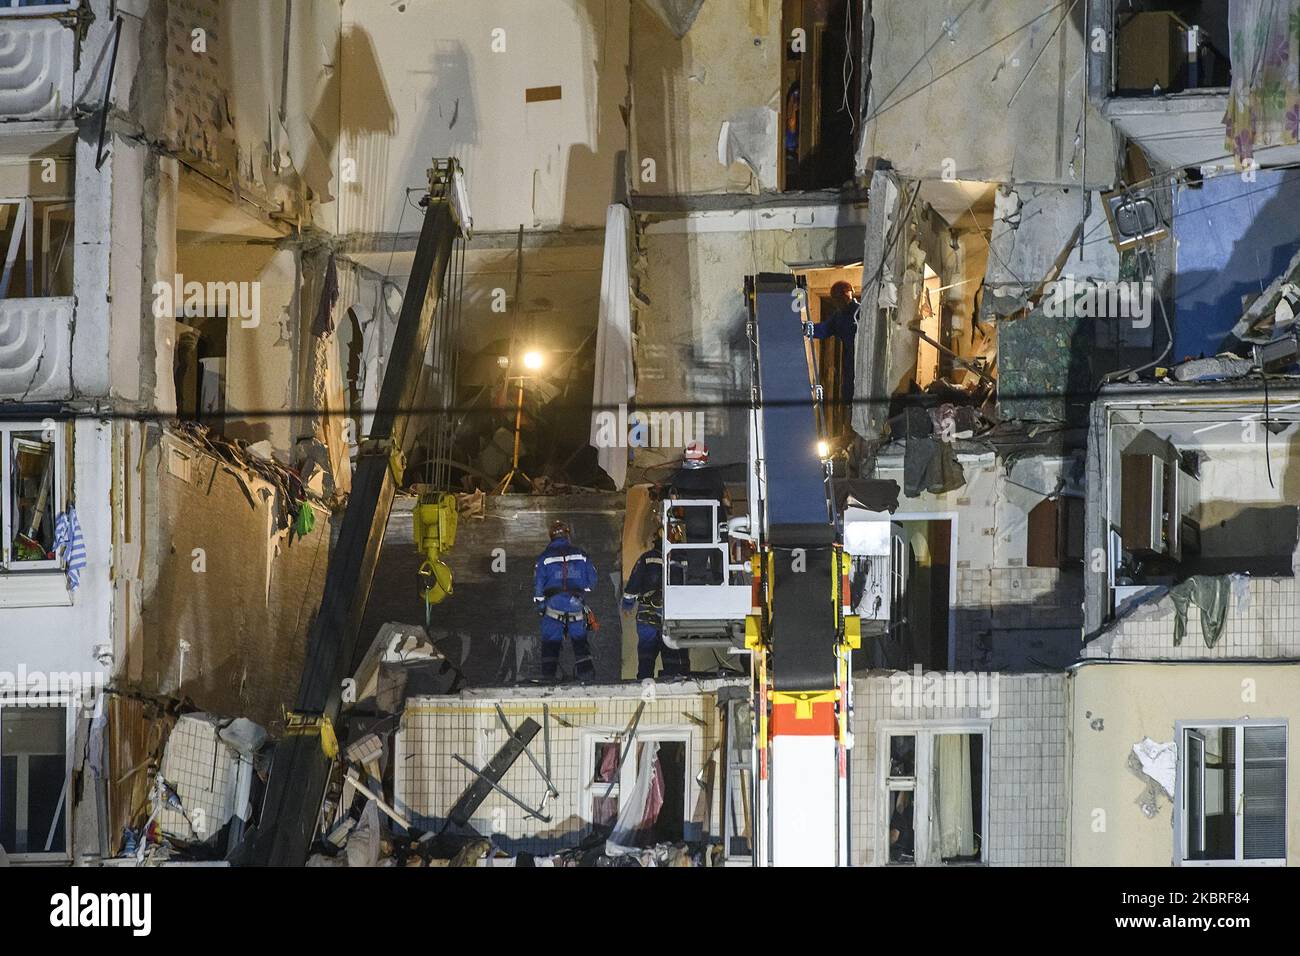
(1196, 494)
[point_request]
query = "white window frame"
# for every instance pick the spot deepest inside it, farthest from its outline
(10, 8)
(56, 506)
(23, 243)
(627, 773)
(920, 784)
(1181, 729)
(69, 706)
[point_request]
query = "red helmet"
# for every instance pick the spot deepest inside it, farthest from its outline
(559, 529)
(697, 453)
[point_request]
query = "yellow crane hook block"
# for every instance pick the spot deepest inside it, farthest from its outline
(435, 533)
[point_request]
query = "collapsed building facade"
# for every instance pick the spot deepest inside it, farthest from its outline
(1072, 361)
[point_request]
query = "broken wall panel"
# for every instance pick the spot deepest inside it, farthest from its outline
(429, 78)
(216, 534)
(725, 69)
(259, 114)
(428, 780)
(929, 67)
(690, 313)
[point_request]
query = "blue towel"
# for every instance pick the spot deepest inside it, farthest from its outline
(70, 545)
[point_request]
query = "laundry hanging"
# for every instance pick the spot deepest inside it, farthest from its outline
(70, 545)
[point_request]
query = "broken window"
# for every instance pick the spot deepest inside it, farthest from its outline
(31, 477)
(821, 86)
(934, 796)
(33, 778)
(1167, 47)
(1233, 799)
(35, 248)
(645, 797)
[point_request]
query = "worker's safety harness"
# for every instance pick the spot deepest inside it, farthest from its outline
(568, 617)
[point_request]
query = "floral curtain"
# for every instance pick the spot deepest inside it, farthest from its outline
(1264, 99)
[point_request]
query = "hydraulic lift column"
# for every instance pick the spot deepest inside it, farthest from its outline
(800, 639)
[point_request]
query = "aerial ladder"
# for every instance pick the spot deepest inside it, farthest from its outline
(791, 603)
(304, 756)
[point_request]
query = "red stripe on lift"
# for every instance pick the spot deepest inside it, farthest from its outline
(821, 723)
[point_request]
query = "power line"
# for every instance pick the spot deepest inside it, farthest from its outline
(959, 65)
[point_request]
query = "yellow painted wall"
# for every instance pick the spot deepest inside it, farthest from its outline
(1113, 706)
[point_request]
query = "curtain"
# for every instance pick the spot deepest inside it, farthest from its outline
(1264, 99)
(952, 825)
(614, 384)
(638, 810)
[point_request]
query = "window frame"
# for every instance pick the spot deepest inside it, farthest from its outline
(925, 731)
(1181, 792)
(7, 429)
(627, 773)
(10, 8)
(69, 705)
(33, 209)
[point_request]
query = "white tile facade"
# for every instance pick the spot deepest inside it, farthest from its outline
(428, 780)
(1027, 772)
(1266, 626)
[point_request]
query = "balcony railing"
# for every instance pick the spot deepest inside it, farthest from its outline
(35, 348)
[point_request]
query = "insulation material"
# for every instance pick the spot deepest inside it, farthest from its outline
(613, 380)
(677, 15)
(1159, 762)
(749, 137)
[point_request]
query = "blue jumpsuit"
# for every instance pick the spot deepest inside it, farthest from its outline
(843, 325)
(645, 591)
(562, 576)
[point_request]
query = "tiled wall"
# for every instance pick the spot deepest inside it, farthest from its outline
(1027, 772)
(204, 772)
(1007, 616)
(1266, 625)
(428, 780)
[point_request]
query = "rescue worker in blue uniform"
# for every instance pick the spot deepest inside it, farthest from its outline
(562, 576)
(645, 592)
(841, 323)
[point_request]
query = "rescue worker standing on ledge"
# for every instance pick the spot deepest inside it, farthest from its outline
(645, 591)
(562, 576)
(841, 324)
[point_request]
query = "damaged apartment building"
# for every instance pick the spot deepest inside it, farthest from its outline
(1066, 434)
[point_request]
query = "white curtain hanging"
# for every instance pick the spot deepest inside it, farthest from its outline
(638, 809)
(614, 384)
(952, 830)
